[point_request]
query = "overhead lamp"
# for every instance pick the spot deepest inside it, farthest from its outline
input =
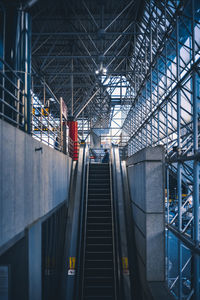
(101, 71)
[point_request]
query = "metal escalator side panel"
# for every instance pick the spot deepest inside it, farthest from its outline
(84, 235)
(133, 263)
(70, 271)
(122, 233)
(113, 234)
(68, 229)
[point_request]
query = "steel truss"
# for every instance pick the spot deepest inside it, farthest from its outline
(69, 48)
(85, 54)
(165, 111)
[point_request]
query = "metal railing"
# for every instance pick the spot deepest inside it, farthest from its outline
(45, 127)
(13, 100)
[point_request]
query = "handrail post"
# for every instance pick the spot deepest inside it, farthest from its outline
(61, 125)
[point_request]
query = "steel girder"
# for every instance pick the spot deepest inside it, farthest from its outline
(165, 110)
(92, 35)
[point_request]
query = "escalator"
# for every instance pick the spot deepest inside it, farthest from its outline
(96, 233)
(99, 262)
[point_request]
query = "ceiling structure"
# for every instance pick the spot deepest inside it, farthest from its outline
(138, 61)
(81, 50)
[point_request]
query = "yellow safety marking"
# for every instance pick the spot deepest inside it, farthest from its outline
(72, 263)
(125, 265)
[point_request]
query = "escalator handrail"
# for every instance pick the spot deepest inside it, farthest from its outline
(113, 231)
(84, 231)
(81, 216)
(73, 227)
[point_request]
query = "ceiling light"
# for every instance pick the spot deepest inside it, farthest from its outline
(104, 70)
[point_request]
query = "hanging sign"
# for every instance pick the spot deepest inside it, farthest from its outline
(64, 109)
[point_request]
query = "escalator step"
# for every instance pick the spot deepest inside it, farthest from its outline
(98, 255)
(103, 180)
(99, 220)
(99, 214)
(99, 233)
(99, 172)
(99, 209)
(99, 186)
(99, 206)
(99, 263)
(106, 278)
(98, 195)
(100, 291)
(98, 201)
(99, 283)
(98, 191)
(99, 276)
(99, 271)
(98, 226)
(100, 176)
(99, 182)
(99, 248)
(97, 240)
(98, 298)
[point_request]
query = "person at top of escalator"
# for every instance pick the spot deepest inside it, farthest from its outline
(106, 157)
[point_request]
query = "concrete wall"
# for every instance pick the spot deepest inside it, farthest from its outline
(31, 182)
(146, 183)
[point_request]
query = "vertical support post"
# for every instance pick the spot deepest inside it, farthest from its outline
(31, 112)
(64, 138)
(35, 261)
(150, 50)
(23, 106)
(196, 163)
(44, 92)
(167, 138)
(18, 102)
(180, 269)
(41, 124)
(179, 187)
(72, 87)
(2, 55)
(158, 115)
(61, 125)
(25, 64)
(195, 271)
(73, 137)
(178, 123)
(83, 125)
(195, 135)
(48, 121)
(32, 87)
(121, 89)
(88, 129)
